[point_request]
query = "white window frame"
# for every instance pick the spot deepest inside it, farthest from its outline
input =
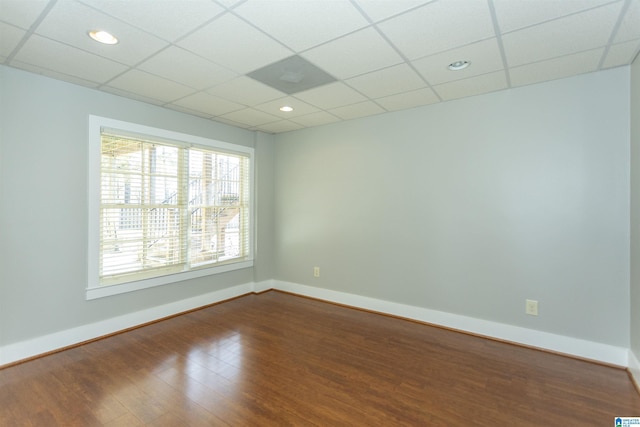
(96, 123)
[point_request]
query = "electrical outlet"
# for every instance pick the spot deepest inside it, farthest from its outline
(531, 307)
(316, 271)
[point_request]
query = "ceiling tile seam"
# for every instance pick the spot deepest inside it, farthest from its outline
(30, 31)
(614, 32)
(242, 106)
(395, 48)
(560, 56)
(557, 18)
(255, 27)
(496, 29)
(388, 18)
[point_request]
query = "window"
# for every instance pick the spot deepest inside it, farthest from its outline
(164, 207)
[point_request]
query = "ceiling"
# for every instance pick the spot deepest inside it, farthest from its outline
(385, 55)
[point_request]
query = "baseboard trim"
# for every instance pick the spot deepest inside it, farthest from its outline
(36, 347)
(598, 352)
(634, 369)
(574, 347)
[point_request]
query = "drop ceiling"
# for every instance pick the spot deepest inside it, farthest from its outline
(195, 56)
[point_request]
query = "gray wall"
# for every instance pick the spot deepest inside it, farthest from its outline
(471, 206)
(635, 208)
(43, 205)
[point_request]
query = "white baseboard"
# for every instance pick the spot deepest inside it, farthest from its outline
(634, 368)
(557, 343)
(544, 340)
(44, 344)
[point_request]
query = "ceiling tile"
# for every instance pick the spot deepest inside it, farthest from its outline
(68, 60)
(361, 109)
(53, 74)
(245, 90)
(565, 36)
(630, 26)
(557, 68)
(513, 15)
(229, 3)
(484, 57)
(316, 119)
(406, 100)
(288, 21)
(208, 104)
(378, 10)
(621, 54)
(392, 80)
(69, 22)
(299, 107)
(21, 13)
(247, 50)
(331, 96)
(166, 19)
(472, 86)
(150, 86)
(251, 117)
(131, 95)
(187, 68)
(186, 110)
(10, 36)
(358, 53)
(277, 127)
(439, 26)
(231, 122)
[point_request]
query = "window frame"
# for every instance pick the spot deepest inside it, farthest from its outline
(96, 123)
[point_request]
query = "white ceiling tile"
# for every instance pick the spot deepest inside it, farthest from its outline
(187, 68)
(316, 119)
(472, 86)
(484, 57)
(53, 74)
(406, 100)
(245, 90)
(331, 96)
(439, 26)
(278, 127)
(621, 54)
(565, 36)
(229, 3)
(247, 50)
(166, 19)
(378, 10)
(150, 86)
(186, 110)
(557, 68)
(208, 104)
(250, 117)
(289, 21)
(10, 36)
(396, 79)
(358, 53)
(299, 107)
(131, 95)
(69, 22)
(361, 109)
(513, 15)
(68, 60)
(630, 25)
(21, 13)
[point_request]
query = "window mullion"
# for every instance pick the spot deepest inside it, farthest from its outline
(183, 206)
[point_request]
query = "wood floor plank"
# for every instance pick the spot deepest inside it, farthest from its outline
(275, 359)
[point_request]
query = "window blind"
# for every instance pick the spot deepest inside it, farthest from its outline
(169, 207)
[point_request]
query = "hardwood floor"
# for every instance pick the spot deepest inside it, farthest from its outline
(278, 359)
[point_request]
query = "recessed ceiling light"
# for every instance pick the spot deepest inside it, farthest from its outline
(286, 108)
(459, 65)
(103, 37)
